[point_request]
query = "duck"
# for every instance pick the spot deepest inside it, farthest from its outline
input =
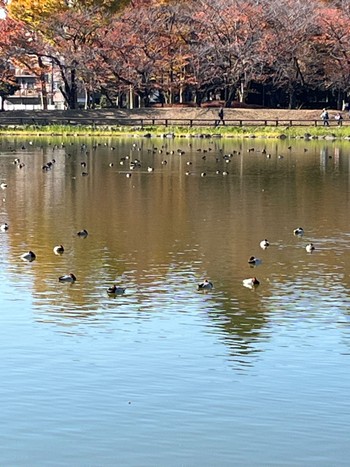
(4, 227)
(264, 244)
(205, 285)
(58, 249)
(67, 278)
(83, 233)
(310, 248)
(299, 231)
(254, 261)
(29, 256)
(251, 282)
(116, 290)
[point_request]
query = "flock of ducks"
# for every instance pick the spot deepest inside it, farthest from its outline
(253, 282)
(30, 256)
(205, 285)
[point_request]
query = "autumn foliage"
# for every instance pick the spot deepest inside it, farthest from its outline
(143, 51)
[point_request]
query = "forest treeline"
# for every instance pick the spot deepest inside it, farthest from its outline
(284, 53)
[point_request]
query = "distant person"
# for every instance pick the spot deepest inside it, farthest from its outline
(221, 116)
(325, 117)
(339, 118)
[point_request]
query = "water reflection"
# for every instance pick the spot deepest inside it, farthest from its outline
(160, 232)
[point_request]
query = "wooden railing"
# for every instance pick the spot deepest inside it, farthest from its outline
(167, 122)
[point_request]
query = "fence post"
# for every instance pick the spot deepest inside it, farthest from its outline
(240, 123)
(166, 122)
(191, 123)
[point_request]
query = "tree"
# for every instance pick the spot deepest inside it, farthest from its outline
(226, 50)
(334, 41)
(289, 52)
(25, 49)
(8, 83)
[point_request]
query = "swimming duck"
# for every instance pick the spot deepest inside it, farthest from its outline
(116, 290)
(251, 282)
(205, 285)
(67, 278)
(254, 261)
(29, 256)
(82, 233)
(299, 231)
(310, 248)
(58, 249)
(4, 227)
(264, 244)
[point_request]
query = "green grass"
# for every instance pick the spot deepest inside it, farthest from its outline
(224, 131)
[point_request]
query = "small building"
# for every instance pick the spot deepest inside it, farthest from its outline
(29, 96)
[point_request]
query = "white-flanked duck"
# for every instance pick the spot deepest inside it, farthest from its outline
(116, 290)
(264, 244)
(29, 256)
(310, 248)
(4, 227)
(67, 278)
(254, 261)
(205, 285)
(299, 231)
(58, 250)
(82, 233)
(251, 282)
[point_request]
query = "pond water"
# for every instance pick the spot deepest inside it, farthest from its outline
(165, 375)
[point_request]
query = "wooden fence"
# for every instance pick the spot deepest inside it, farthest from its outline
(167, 122)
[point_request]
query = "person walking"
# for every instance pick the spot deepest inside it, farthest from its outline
(325, 117)
(339, 118)
(221, 116)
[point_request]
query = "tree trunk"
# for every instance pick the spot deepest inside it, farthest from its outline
(43, 84)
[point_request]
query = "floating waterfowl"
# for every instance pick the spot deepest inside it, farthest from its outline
(251, 282)
(116, 290)
(254, 261)
(310, 248)
(29, 256)
(67, 278)
(4, 227)
(264, 244)
(58, 250)
(299, 231)
(205, 285)
(83, 233)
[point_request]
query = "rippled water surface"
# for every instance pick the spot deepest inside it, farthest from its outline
(165, 375)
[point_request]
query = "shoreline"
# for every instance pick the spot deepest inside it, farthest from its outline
(249, 132)
(133, 123)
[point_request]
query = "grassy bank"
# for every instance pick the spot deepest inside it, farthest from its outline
(158, 131)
